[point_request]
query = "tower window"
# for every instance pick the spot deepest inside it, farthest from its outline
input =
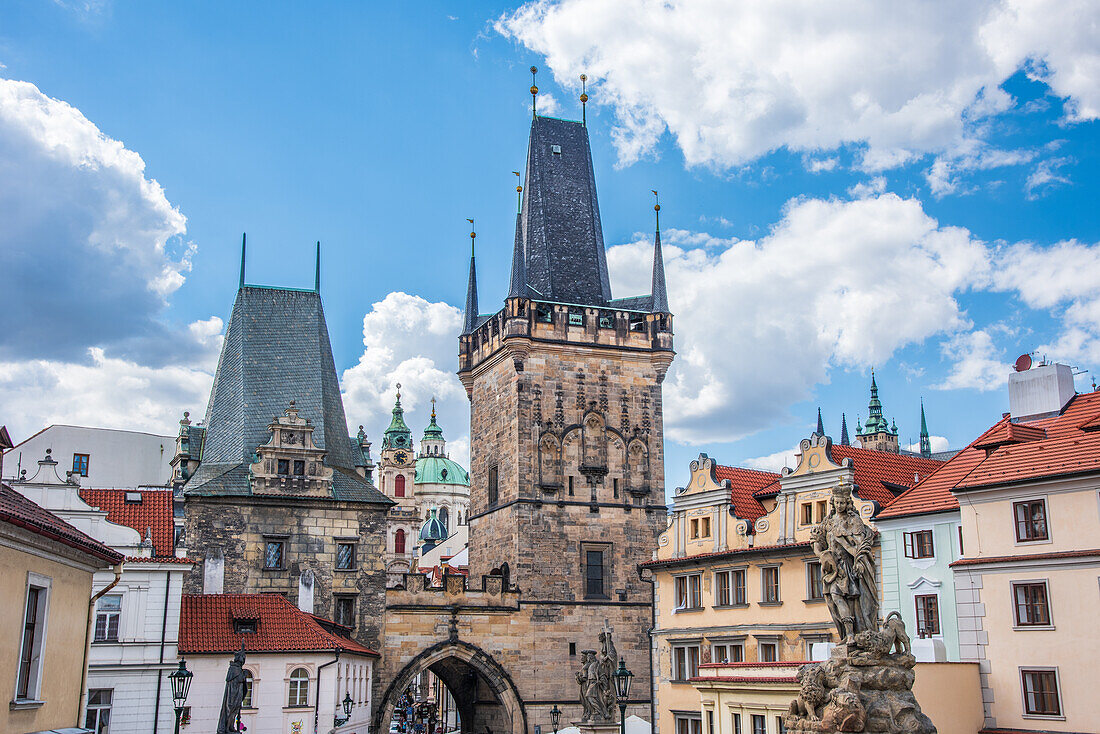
(399, 485)
(555, 149)
(284, 467)
(399, 542)
(299, 468)
(594, 574)
(494, 490)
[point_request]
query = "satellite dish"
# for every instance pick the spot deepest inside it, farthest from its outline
(1023, 363)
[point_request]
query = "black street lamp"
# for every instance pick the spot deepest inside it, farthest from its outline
(348, 704)
(181, 683)
(623, 678)
(555, 717)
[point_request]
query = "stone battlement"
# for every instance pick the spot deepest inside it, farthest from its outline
(455, 591)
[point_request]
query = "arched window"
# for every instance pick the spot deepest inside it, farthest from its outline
(444, 518)
(399, 542)
(298, 693)
(246, 701)
(399, 485)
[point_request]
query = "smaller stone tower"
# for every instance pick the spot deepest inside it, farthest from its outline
(397, 477)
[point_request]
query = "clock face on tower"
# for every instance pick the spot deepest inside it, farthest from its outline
(400, 457)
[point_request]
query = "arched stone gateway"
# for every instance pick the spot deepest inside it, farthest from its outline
(486, 696)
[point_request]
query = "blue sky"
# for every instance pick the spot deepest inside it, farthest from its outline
(841, 188)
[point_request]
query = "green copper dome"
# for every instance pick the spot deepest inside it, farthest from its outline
(398, 435)
(438, 470)
(433, 529)
(876, 423)
(433, 432)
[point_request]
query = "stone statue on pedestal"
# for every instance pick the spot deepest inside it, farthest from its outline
(867, 684)
(233, 696)
(597, 682)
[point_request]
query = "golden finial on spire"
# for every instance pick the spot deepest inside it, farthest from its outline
(534, 90)
(433, 408)
(657, 207)
(399, 391)
(584, 99)
(473, 236)
(519, 192)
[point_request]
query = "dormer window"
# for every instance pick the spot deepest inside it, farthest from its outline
(555, 149)
(133, 498)
(245, 626)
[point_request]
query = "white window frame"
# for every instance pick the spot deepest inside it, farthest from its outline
(44, 583)
(764, 601)
(1046, 509)
(689, 719)
(97, 708)
(689, 596)
(687, 647)
(1015, 618)
(1061, 716)
(250, 695)
(810, 598)
(117, 614)
(308, 682)
(729, 644)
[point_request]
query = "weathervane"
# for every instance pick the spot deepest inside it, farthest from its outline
(657, 207)
(534, 90)
(519, 192)
(473, 236)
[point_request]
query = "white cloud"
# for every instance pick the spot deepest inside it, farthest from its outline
(819, 165)
(1046, 176)
(939, 443)
(733, 80)
(773, 462)
(83, 224)
(759, 323)
(976, 362)
(411, 341)
(864, 189)
(106, 392)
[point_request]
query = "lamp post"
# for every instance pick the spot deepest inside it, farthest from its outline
(623, 678)
(555, 717)
(181, 682)
(347, 704)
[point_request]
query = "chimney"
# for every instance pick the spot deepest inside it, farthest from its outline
(213, 571)
(1039, 391)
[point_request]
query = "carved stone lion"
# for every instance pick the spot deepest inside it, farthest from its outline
(812, 695)
(844, 712)
(894, 630)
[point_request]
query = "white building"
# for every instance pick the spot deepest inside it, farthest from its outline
(300, 668)
(100, 457)
(135, 623)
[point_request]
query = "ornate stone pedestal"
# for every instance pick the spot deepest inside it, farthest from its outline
(861, 688)
(597, 727)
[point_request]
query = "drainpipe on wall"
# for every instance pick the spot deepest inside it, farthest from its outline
(88, 641)
(652, 580)
(317, 700)
(163, 637)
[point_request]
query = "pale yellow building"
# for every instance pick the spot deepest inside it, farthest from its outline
(735, 578)
(45, 596)
(1026, 584)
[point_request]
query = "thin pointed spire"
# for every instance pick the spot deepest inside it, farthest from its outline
(584, 100)
(517, 285)
(820, 426)
(317, 271)
(534, 92)
(660, 292)
(244, 237)
(844, 430)
(470, 321)
(925, 439)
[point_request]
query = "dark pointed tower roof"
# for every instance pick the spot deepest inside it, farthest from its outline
(844, 441)
(276, 350)
(469, 322)
(660, 292)
(876, 423)
(517, 285)
(560, 234)
(820, 426)
(925, 439)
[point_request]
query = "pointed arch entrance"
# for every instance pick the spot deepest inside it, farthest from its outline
(485, 694)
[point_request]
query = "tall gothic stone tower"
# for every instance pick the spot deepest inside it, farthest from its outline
(567, 457)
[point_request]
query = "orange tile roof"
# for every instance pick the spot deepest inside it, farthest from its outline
(206, 626)
(1052, 556)
(716, 555)
(18, 510)
(743, 484)
(1065, 449)
(877, 471)
(153, 512)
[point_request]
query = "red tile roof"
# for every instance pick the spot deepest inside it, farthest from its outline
(1052, 556)
(875, 471)
(153, 512)
(1066, 449)
(743, 484)
(206, 626)
(744, 679)
(682, 560)
(933, 493)
(18, 510)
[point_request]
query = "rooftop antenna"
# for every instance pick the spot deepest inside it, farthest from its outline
(657, 207)
(519, 192)
(473, 236)
(317, 271)
(244, 236)
(584, 99)
(534, 91)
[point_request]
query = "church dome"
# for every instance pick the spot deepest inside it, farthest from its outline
(440, 470)
(433, 529)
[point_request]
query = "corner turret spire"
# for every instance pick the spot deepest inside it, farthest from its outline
(820, 426)
(658, 289)
(398, 435)
(317, 270)
(470, 321)
(244, 237)
(844, 430)
(925, 439)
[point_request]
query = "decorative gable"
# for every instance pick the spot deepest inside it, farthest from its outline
(816, 456)
(289, 463)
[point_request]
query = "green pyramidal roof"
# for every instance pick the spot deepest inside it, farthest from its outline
(876, 423)
(433, 432)
(398, 435)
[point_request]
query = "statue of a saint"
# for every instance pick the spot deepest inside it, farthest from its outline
(843, 544)
(608, 657)
(234, 694)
